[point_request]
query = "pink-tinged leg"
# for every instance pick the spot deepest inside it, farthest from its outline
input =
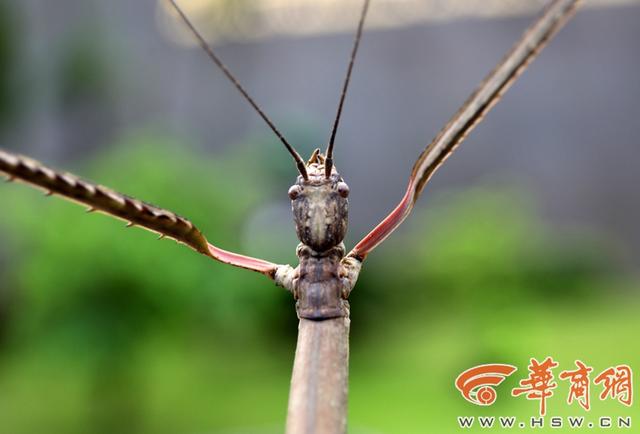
(386, 226)
(555, 15)
(247, 262)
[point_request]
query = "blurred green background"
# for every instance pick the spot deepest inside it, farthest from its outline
(105, 330)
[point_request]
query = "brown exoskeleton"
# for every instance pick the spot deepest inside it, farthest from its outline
(325, 276)
(323, 280)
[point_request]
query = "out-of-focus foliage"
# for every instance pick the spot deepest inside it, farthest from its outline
(102, 300)
(108, 330)
(479, 279)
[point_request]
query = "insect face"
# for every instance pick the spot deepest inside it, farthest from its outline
(320, 206)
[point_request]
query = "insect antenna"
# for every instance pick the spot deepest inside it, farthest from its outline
(356, 44)
(207, 48)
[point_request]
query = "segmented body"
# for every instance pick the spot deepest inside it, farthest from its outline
(321, 283)
(319, 291)
(324, 277)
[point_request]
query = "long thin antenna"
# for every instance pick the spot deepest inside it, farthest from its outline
(356, 43)
(207, 48)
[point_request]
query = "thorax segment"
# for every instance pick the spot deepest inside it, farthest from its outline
(321, 283)
(318, 289)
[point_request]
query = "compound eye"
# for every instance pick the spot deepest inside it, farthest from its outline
(294, 192)
(343, 189)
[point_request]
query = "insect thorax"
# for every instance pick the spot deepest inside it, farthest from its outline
(320, 211)
(319, 291)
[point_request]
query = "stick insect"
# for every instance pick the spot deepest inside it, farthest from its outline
(326, 273)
